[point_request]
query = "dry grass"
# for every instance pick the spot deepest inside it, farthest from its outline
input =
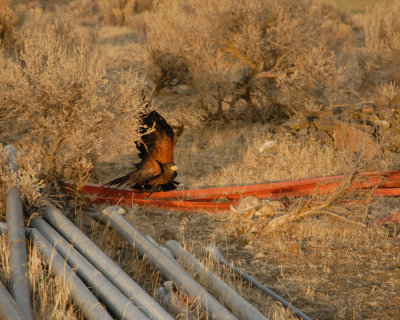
(69, 98)
(232, 156)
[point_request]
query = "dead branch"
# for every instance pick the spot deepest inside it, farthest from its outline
(307, 211)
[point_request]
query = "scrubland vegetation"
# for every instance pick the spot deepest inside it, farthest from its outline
(236, 73)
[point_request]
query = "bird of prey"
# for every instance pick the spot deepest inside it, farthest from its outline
(156, 171)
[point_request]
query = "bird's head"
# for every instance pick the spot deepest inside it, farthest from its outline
(170, 166)
(170, 169)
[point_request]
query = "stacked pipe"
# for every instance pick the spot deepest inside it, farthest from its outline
(62, 258)
(83, 297)
(148, 247)
(232, 300)
(19, 282)
(114, 276)
(218, 256)
(9, 310)
(167, 266)
(118, 304)
(88, 303)
(239, 306)
(171, 302)
(21, 308)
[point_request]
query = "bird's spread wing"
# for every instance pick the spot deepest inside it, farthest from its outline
(144, 171)
(158, 144)
(155, 148)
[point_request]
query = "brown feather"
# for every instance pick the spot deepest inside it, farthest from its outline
(156, 151)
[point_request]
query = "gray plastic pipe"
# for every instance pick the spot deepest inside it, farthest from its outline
(87, 302)
(9, 309)
(168, 267)
(172, 303)
(104, 264)
(213, 250)
(19, 282)
(239, 306)
(114, 299)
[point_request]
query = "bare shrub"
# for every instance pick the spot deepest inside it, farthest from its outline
(262, 53)
(66, 111)
(121, 11)
(26, 180)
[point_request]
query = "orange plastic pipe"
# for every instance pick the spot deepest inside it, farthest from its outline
(176, 205)
(197, 200)
(275, 190)
(395, 218)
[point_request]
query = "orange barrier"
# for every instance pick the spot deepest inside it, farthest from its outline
(205, 200)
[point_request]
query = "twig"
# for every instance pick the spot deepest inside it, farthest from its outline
(333, 215)
(297, 215)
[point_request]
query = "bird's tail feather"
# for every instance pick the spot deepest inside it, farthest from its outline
(124, 181)
(119, 182)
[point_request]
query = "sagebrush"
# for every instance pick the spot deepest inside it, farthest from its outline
(66, 107)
